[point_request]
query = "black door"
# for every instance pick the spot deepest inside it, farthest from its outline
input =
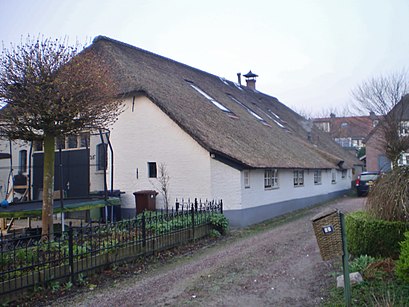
(75, 173)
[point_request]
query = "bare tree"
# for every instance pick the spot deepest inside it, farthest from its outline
(164, 179)
(387, 97)
(162, 183)
(50, 90)
(384, 95)
(380, 94)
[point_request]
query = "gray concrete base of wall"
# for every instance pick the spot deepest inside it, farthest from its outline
(245, 217)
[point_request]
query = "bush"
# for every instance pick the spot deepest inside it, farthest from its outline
(214, 233)
(360, 263)
(389, 197)
(219, 222)
(369, 236)
(402, 265)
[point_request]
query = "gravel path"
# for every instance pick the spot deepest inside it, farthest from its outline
(277, 267)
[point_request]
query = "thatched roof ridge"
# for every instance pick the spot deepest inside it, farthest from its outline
(283, 139)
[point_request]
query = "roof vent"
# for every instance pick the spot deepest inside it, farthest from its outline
(251, 80)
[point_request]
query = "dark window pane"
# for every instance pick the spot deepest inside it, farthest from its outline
(152, 171)
(102, 156)
(72, 141)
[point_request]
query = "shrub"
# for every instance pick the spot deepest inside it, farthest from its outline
(402, 265)
(214, 233)
(219, 222)
(389, 197)
(360, 263)
(370, 236)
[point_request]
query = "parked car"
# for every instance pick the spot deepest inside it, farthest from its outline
(365, 181)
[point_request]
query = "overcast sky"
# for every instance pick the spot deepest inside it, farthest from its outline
(308, 53)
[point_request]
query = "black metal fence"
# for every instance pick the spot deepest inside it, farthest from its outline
(27, 261)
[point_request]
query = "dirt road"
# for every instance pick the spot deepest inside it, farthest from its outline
(280, 266)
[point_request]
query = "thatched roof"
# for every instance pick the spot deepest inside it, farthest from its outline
(283, 139)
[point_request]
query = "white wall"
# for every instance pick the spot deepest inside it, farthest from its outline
(226, 184)
(257, 195)
(142, 134)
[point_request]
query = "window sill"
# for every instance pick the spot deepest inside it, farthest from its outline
(270, 188)
(298, 186)
(101, 171)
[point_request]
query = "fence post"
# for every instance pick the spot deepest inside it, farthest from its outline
(193, 220)
(143, 229)
(71, 252)
(221, 206)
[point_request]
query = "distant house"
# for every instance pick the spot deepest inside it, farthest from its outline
(348, 131)
(376, 159)
(216, 139)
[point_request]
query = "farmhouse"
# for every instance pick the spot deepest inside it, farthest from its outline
(214, 138)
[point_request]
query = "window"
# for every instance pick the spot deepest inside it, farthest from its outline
(403, 159)
(60, 143)
(403, 128)
(344, 173)
(102, 162)
(298, 178)
(344, 142)
(249, 110)
(72, 141)
(84, 139)
(270, 178)
(152, 170)
(333, 176)
(211, 99)
(38, 146)
(246, 176)
(23, 161)
(317, 177)
(324, 126)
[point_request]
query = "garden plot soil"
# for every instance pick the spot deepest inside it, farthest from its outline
(277, 266)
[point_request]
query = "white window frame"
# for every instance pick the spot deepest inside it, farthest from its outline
(22, 157)
(246, 178)
(404, 128)
(270, 178)
(152, 169)
(298, 178)
(333, 176)
(317, 177)
(403, 159)
(101, 156)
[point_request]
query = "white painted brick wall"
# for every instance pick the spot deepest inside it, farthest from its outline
(145, 135)
(257, 195)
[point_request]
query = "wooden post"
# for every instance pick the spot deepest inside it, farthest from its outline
(345, 265)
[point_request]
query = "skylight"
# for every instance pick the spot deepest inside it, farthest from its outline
(278, 123)
(274, 114)
(223, 80)
(211, 99)
(238, 86)
(248, 110)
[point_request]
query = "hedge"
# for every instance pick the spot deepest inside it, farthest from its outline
(370, 236)
(402, 265)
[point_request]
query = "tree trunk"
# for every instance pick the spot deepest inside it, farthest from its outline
(48, 186)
